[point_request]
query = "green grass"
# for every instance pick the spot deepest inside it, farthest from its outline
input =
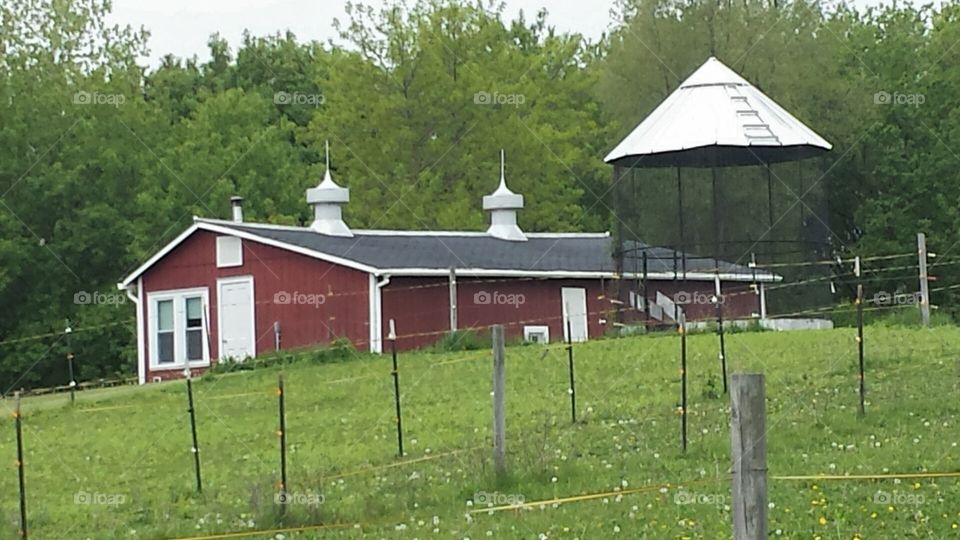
(131, 447)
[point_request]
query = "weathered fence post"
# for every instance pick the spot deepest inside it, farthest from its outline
(396, 386)
(499, 410)
(748, 437)
(453, 299)
(924, 280)
(276, 335)
(20, 472)
(193, 429)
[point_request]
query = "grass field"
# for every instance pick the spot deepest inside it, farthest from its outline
(118, 463)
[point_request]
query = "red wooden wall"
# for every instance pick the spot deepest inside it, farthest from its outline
(344, 311)
(419, 305)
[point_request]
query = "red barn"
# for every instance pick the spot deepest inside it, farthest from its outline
(233, 289)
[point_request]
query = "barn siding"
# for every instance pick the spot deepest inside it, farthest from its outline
(344, 311)
(420, 306)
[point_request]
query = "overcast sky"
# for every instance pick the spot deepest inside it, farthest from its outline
(182, 27)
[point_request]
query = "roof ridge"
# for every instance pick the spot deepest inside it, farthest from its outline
(399, 232)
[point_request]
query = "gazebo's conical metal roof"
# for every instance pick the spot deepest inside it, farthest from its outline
(717, 119)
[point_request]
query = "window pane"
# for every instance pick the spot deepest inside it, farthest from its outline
(165, 315)
(194, 315)
(195, 344)
(165, 347)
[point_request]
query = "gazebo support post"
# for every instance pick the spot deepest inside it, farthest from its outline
(683, 246)
(716, 219)
(769, 195)
(618, 175)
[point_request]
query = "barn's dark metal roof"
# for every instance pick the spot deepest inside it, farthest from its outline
(412, 252)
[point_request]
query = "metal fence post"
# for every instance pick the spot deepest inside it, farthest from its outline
(18, 415)
(396, 387)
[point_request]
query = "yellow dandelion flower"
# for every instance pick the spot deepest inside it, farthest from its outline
(822, 520)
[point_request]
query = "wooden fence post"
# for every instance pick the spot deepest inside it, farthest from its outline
(748, 437)
(924, 280)
(453, 299)
(499, 410)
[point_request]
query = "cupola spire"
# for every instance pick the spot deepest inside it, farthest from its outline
(327, 199)
(503, 205)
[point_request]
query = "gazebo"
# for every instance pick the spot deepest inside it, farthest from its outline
(715, 119)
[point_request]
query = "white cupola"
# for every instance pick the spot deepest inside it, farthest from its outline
(327, 199)
(503, 205)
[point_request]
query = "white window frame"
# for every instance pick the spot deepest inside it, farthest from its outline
(225, 244)
(529, 330)
(179, 297)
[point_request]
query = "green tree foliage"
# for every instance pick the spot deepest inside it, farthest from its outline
(103, 161)
(878, 84)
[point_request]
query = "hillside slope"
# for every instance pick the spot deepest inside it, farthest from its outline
(118, 464)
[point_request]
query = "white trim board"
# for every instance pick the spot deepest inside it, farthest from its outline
(557, 274)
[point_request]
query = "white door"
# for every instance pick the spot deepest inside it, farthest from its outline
(574, 310)
(235, 312)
